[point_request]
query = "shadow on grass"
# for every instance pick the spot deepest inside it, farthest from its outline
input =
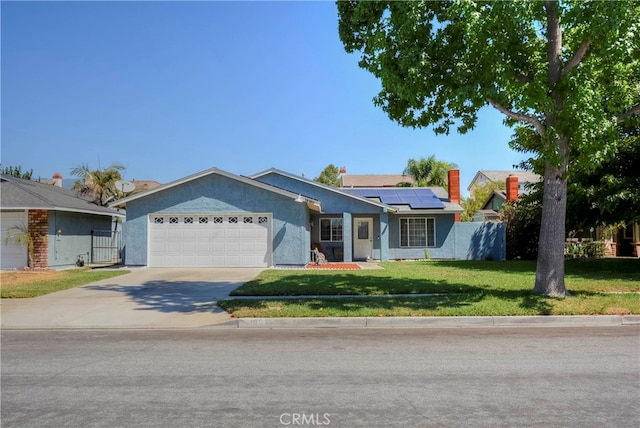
(173, 296)
(605, 268)
(348, 284)
(470, 302)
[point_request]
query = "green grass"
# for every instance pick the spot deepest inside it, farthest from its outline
(464, 288)
(14, 285)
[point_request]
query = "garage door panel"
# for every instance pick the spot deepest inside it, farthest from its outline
(233, 240)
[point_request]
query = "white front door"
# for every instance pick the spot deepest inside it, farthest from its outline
(363, 238)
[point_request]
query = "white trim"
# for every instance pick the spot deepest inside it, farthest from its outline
(435, 238)
(69, 210)
(270, 226)
(330, 218)
(387, 208)
(249, 181)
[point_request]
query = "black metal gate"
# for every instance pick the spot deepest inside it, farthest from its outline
(105, 246)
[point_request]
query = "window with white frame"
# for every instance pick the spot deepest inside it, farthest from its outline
(331, 229)
(417, 232)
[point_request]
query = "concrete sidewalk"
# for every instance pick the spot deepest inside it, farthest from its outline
(439, 322)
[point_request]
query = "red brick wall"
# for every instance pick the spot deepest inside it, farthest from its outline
(454, 188)
(39, 229)
(512, 188)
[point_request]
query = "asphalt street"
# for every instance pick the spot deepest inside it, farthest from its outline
(221, 377)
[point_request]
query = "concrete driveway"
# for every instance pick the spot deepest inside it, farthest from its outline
(145, 298)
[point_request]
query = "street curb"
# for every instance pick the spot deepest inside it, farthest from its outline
(439, 322)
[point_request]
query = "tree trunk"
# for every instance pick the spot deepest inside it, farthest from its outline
(550, 266)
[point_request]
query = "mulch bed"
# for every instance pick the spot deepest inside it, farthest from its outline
(334, 266)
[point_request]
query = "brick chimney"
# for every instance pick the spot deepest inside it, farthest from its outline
(454, 188)
(343, 170)
(57, 179)
(512, 187)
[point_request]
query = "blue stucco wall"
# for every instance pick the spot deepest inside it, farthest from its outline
(218, 194)
(461, 241)
(335, 205)
(332, 202)
(70, 236)
(480, 241)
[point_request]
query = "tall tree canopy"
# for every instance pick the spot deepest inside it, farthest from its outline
(429, 171)
(565, 74)
(99, 185)
(329, 176)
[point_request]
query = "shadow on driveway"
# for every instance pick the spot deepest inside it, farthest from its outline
(145, 298)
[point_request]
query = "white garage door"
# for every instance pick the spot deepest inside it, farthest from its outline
(14, 256)
(206, 240)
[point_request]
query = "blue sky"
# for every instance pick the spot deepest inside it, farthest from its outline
(171, 88)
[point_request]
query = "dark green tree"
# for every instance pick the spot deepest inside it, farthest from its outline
(563, 73)
(608, 192)
(16, 171)
(329, 176)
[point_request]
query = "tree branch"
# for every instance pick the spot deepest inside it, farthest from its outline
(518, 116)
(627, 114)
(523, 78)
(577, 57)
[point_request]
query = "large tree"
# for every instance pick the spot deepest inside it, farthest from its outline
(428, 171)
(563, 73)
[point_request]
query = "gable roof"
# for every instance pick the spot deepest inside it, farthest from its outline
(374, 180)
(19, 194)
(322, 186)
(311, 203)
(500, 176)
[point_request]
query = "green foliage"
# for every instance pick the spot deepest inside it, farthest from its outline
(329, 176)
(522, 220)
(429, 171)
(478, 197)
(589, 250)
(565, 74)
(469, 288)
(98, 184)
(16, 171)
(21, 235)
(608, 191)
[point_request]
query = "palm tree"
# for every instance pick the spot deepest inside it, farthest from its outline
(99, 185)
(21, 235)
(429, 171)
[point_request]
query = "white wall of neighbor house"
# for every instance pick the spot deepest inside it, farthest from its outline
(13, 255)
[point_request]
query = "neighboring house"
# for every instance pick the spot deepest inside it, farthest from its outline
(216, 218)
(483, 177)
(144, 185)
(490, 210)
(57, 180)
(373, 180)
(61, 223)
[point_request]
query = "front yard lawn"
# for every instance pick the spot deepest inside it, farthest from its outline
(462, 288)
(32, 284)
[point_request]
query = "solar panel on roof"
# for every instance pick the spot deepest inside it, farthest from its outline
(416, 198)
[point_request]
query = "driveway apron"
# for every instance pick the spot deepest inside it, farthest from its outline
(145, 298)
